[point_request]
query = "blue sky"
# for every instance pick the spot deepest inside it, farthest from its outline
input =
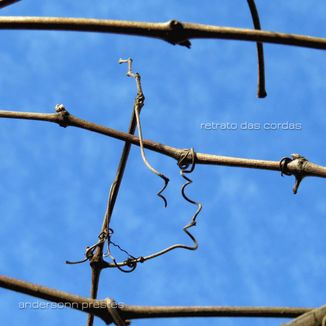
(258, 243)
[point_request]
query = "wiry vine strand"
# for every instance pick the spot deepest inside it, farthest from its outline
(106, 233)
(139, 104)
(189, 168)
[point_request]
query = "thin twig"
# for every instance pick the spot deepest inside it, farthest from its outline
(163, 31)
(261, 92)
(310, 169)
(100, 307)
(139, 103)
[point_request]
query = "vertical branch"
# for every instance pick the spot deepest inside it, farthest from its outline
(96, 272)
(261, 93)
(97, 259)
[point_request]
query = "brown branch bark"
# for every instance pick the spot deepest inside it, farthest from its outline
(99, 307)
(261, 92)
(42, 292)
(137, 312)
(172, 31)
(97, 261)
(308, 169)
(315, 317)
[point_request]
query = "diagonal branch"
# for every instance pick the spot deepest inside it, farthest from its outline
(114, 190)
(5, 3)
(308, 169)
(172, 31)
(100, 307)
(315, 317)
(42, 292)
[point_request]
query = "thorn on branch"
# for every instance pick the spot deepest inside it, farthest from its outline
(176, 34)
(63, 115)
(300, 166)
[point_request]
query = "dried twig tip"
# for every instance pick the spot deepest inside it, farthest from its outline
(129, 61)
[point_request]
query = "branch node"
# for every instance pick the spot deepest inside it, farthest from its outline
(300, 162)
(63, 115)
(176, 34)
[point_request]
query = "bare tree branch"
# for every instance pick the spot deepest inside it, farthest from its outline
(100, 307)
(307, 169)
(261, 93)
(137, 312)
(75, 302)
(97, 261)
(172, 31)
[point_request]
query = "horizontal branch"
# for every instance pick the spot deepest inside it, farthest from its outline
(172, 31)
(99, 307)
(294, 167)
(137, 312)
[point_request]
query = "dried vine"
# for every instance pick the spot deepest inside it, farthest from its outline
(176, 33)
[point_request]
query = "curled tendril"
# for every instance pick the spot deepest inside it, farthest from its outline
(283, 166)
(149, 166)
(89, 253)
(139, 103)
(131, 263)
(185, 167)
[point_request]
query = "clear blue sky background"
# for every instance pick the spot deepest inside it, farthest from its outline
(258, 243)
